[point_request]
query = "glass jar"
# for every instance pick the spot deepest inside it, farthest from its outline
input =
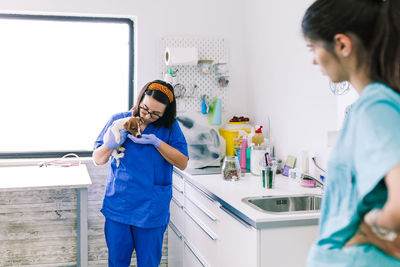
(257, 156)
(231, 168)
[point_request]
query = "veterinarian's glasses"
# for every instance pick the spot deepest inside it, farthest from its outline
(152, 114)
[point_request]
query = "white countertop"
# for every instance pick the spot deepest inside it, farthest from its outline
(231, 193)
(51, 177)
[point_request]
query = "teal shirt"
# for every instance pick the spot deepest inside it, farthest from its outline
(368, 146)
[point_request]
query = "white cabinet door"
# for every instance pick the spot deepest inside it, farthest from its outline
(191, 257)
(202, 238)
(175, 247)
(238, 244)
(279, 242)
(176, 214)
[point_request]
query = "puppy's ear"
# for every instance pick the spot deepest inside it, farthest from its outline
(131, 126)
(127, 125)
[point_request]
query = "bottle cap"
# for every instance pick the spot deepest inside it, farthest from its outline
(259, 130)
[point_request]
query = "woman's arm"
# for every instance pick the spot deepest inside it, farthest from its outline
(389, 216)
(173, 156)
(101, 155)
(365, 235)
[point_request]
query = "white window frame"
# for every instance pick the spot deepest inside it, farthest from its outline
(131, 21)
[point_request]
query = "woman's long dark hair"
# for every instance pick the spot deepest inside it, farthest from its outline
(169, 115)
(375, 22)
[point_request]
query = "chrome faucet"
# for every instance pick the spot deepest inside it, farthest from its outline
(319, 182)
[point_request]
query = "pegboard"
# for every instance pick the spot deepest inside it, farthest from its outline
(191, 76)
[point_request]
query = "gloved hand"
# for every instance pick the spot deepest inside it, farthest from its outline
(146, 139)
(111, 139)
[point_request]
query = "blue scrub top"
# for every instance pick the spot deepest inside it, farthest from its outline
(139, 191)
(368, 146)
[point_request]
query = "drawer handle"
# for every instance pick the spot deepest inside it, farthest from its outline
(200, 207)
(179, 175)
(180, 190)
(234, 216)
(201, 191)
(175, 229)
(198, 257)
(200, 224)
(177, 202)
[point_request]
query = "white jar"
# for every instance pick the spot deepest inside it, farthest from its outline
(257, 155)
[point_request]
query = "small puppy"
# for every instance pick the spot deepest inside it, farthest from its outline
(132, 125)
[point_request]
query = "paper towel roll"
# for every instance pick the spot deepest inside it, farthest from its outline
(181, 56)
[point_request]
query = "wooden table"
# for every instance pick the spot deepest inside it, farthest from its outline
(22, 178)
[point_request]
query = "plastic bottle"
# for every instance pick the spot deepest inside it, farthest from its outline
(258, 138)
(243, 156)
(248, 157)
(250, 136)
(257, 157)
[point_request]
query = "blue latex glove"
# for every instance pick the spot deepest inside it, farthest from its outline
(111, 141)
(146, 139)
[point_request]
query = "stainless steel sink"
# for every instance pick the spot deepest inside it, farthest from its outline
(285, 204)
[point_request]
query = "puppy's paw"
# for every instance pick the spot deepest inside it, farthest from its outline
(119, 155)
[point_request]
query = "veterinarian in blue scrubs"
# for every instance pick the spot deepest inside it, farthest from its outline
(139, 190)
(359, 41)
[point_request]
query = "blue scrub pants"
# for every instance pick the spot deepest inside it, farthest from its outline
(122, 239)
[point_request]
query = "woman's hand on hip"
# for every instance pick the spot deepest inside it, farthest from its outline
(360, 237)
(365, 235)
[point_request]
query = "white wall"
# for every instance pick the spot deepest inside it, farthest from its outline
(270, 66)
(282, 81)
(159, 18)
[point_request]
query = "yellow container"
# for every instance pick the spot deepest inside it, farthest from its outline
(231, 133)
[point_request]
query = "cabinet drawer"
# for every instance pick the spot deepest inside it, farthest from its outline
(203, 198)
(198, 209)
(177, 214)
(235, 233)
(191, 257)
(177, 194)
(202, 238)
(175, 247)
(177, 181)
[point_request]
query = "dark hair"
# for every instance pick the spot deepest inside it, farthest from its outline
(169, 115)
(376, 23)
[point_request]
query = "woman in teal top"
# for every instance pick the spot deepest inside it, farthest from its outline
(359, 41)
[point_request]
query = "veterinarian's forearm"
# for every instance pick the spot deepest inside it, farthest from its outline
(389, 216)
(101, 155)
(173, 156)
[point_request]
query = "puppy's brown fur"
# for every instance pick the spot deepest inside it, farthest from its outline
(132, 126)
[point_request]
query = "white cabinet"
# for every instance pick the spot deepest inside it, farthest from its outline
(191, 257)
(279, 242)
(239, 242)
(211, 235)
(217, 234)
(175, 247)
(203, 232)
(176, 225)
